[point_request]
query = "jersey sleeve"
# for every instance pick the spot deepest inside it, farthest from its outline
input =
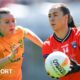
(21, 30)
(46, 50)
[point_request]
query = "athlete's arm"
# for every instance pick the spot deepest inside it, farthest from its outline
(9, 58)
(32, 37)
(6, 60)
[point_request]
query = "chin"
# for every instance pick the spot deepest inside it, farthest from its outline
(54, 28)
(12, 32)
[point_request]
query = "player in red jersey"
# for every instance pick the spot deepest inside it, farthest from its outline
(66, 38)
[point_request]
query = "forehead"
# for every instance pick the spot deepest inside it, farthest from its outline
(55, 10)
(6, 16)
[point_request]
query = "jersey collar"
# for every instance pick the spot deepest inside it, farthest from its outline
(65, 38)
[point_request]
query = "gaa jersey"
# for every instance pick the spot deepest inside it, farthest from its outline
(70, 45)
(12, 70)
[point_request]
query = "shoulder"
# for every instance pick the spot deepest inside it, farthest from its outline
(76, 30)
(19, 28)
(25, 30)
(76, 33)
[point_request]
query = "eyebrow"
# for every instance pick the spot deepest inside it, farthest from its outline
(53, 13)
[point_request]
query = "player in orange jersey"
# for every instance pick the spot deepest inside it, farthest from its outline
(66, 38)
(12, 46)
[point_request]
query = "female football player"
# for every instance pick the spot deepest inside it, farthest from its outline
(66, 38)
(12, 46)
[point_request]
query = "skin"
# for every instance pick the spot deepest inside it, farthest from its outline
(7, 24)
(7, 28)
(58, 22)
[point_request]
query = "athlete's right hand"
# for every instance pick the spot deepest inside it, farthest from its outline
(13, 53)
(11, 57)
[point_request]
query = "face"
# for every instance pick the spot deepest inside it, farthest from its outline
(7, 24)
(56, 18)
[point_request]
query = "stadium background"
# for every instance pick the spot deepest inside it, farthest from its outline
(33, 15)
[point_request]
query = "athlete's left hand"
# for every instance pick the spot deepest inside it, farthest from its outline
(75, 67)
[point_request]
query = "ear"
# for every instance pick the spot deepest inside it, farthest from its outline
(66, 17)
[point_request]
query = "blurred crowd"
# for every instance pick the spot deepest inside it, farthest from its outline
(28, 2)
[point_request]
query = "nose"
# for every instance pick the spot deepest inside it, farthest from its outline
(51, 18)
(12, 25)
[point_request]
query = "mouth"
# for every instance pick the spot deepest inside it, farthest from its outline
(11, 29)
(53, 24)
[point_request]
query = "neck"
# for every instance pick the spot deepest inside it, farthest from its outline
(3, 35)
(61, 33)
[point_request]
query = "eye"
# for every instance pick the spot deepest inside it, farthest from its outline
(55, 15)
(49, 15)
(13, 21)
(7, 22)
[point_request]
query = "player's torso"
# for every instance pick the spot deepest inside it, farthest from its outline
(8, 45)
(69, 46)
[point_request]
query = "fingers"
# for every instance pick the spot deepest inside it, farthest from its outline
(73, 62)
(71, 66)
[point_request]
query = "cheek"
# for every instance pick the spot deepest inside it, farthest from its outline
(2, 28)
(59, 23)
(60, 20)
(5, 28)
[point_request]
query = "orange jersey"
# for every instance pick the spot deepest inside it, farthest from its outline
(70, 45)
(12, 71)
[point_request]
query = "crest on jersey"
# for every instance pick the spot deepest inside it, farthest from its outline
(74, 44)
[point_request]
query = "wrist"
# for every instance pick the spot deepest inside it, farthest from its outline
(10, 58)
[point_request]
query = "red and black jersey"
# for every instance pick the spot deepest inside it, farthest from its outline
(70, 45)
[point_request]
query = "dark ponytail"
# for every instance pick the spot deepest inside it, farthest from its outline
(65, 11)
(71, 22)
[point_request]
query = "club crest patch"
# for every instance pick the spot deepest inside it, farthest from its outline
(74, 44)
